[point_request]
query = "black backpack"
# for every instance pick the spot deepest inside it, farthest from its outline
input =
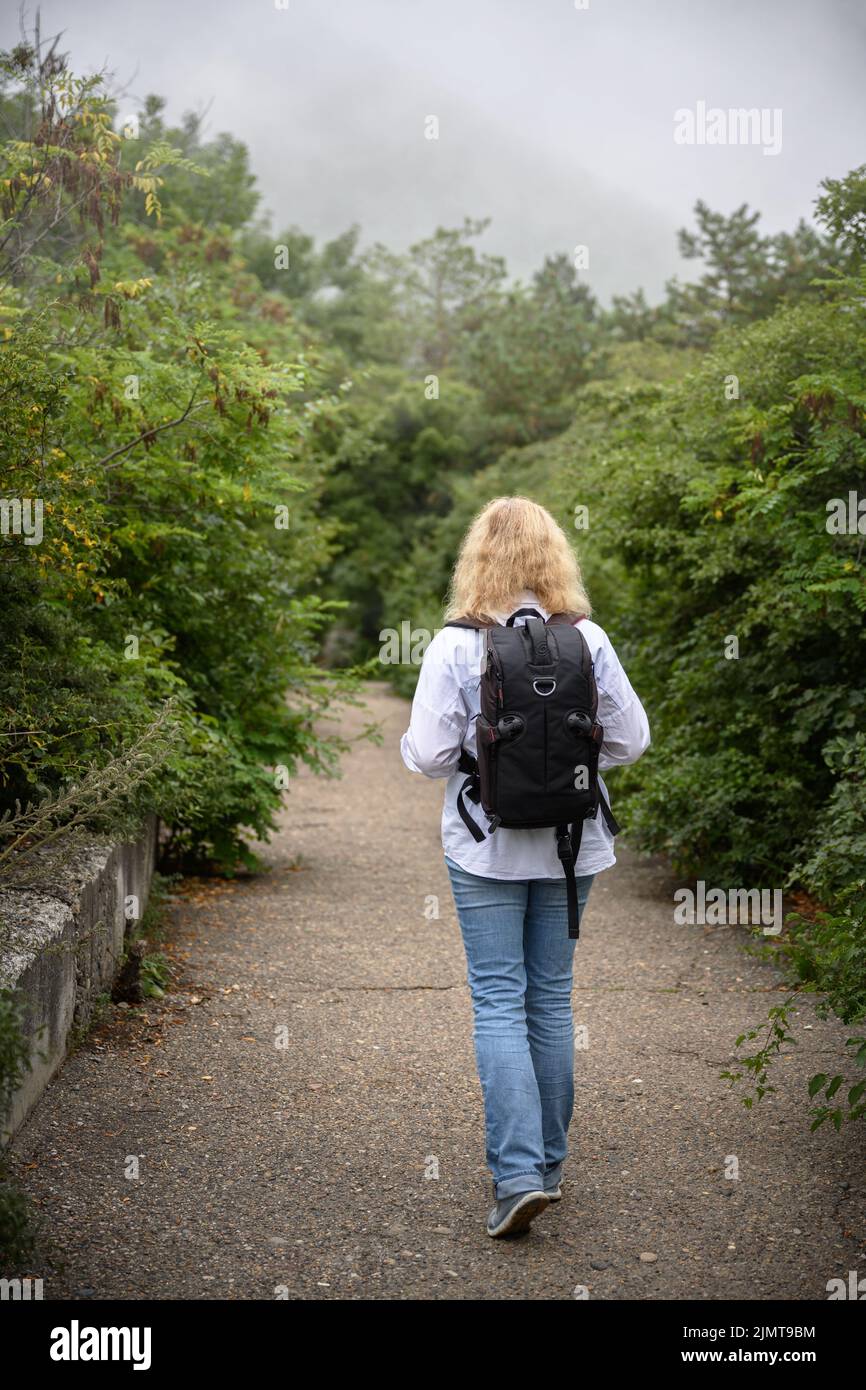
(537, 736)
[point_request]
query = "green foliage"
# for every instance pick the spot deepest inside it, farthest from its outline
(226, 196)
(717, 509)
(395, 460)
(16, 1224)
(14, 1051)
(852, 1102)
(164, 410)
(447, 287)
(775, 1035)
(532, 351)
(756, 1065)
(747, 275)
(17, 1236)
(731, 541)
(155, 974)
(842, 210)
(111, 796)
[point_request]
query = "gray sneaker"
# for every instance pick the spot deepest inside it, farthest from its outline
(513, 1215)
(553, 1183)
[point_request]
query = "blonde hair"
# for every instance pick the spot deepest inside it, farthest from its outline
(514, 544)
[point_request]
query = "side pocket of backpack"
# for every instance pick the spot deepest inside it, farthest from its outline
(487, 752)
(579, 775)
(595, 741)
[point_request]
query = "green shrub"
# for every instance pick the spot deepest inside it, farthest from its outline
(16, 1223)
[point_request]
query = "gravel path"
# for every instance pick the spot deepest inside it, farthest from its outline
(308, 1123)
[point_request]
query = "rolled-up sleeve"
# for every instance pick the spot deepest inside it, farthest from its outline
(620, 712)
(440, 716)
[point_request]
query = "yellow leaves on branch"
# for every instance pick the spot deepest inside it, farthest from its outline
(25, 180)
(133, 289)
(148, 184)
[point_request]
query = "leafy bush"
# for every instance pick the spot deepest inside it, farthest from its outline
(162, 409)
(16, 1226)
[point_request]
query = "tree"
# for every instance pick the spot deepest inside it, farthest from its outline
(842, 210)
(531, 353)
(448, 288)
(747, 274)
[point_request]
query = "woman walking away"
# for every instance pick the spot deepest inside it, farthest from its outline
(521, 700)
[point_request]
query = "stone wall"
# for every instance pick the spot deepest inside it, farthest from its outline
(62, 943)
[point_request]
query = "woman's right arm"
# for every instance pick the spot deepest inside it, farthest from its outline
(440, 717)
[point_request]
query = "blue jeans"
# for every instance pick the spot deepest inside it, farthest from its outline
(519, 958)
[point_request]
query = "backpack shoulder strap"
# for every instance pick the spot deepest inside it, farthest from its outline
(478, 626)
(473, 624)
(471, 787)
(568, 848)
(566, 617)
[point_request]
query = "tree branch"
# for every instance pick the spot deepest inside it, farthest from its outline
(149, 434)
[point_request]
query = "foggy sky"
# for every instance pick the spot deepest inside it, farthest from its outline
(555, 122)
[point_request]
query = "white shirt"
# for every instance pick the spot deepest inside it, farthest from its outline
(447, 699)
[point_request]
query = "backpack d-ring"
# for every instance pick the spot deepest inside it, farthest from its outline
(544, 680)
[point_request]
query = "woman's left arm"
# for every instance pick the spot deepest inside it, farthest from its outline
(620, 712)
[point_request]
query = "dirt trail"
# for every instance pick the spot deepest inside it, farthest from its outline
(348, 1162)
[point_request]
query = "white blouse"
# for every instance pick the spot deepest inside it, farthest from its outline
(447, 699)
